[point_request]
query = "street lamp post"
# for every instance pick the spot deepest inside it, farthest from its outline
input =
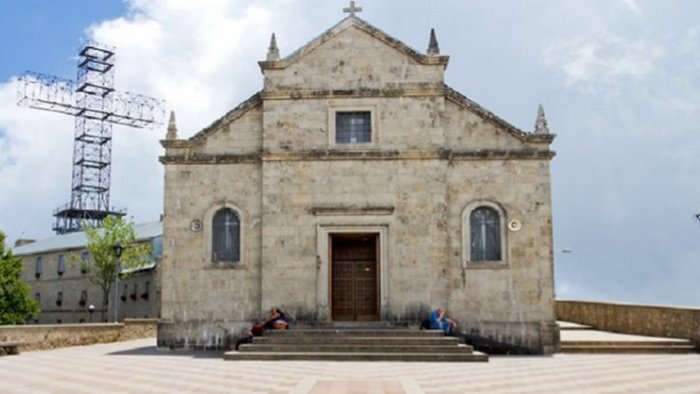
(118, 254)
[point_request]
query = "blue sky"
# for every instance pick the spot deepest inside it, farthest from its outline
(619, 81)
(45, 35)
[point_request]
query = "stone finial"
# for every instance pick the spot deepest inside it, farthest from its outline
(352, 9)
(172, 127)
(541, 122)
(433, 48)
(273, 52)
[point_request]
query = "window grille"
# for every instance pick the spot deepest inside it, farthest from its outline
(226, 236)
(353, 127)
(485, 233)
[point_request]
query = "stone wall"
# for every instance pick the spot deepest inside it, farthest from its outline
(660, 321)
(49, 336)
(432, 157)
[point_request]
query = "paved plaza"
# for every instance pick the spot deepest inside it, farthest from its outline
(136, 366)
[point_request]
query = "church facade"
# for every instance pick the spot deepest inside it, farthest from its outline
(357, 186)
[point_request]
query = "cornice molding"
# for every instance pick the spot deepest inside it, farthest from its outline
(368, 155)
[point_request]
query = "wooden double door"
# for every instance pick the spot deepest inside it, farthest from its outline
(354, 277)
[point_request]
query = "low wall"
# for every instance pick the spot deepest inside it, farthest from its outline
(52, 336)
(659, 321)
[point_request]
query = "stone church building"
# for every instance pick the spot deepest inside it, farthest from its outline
(357, 186)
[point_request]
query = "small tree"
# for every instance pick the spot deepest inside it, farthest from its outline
(16, 304)
(101, 245)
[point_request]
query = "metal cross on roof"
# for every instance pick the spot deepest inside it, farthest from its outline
(352, 9)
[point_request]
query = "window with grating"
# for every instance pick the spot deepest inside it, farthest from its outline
(226, 236)
(485, 232)
(353, 127)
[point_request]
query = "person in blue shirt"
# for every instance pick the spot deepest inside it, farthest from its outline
(438, 321)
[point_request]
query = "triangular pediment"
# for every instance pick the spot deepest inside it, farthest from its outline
(353, 22)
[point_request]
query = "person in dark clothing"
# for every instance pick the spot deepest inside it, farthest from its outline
(255, 331)
(276, 320)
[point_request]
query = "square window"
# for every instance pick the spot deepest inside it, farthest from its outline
(353, 127)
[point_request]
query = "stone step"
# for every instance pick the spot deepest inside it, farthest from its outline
(315, 348)
(658, 343)
(564, 325)
(355, 340)
(629, 349)
(358, 344)
(354, 356)
(355, 332)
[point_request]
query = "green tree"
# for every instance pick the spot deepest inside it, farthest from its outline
(16, 305)
(101, 245)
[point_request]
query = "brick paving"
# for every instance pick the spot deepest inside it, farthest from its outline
(136, 366)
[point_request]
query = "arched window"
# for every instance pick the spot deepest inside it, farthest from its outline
(485, 234)
(226, 236)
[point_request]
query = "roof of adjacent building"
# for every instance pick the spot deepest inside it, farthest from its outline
(78, 240)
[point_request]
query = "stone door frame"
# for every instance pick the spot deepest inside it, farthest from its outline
(323, 259)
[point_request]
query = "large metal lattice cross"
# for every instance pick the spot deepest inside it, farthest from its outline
(96, 105)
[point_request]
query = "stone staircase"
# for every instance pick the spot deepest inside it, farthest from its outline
(353, 344)
(576, 338)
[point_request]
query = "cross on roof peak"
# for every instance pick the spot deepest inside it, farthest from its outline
(352, 9)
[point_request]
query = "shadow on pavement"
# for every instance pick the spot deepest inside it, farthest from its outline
(153, 351)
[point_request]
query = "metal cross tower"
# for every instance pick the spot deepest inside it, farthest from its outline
(96, 106)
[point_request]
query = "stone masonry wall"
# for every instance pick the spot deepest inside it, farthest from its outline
(511, 300)
(219, 297)
(353, 60)
(429, 158)
(659, 321)
(45, 337)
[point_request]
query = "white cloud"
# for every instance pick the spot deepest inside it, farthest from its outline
(602, 57)
(632, 6)
(187, 53)
(35, 157)
(201, 60)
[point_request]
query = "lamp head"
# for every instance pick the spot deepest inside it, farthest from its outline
(118, 248)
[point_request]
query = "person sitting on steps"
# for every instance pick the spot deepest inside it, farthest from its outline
(276, 320)
(255, 331)
(438, 321)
